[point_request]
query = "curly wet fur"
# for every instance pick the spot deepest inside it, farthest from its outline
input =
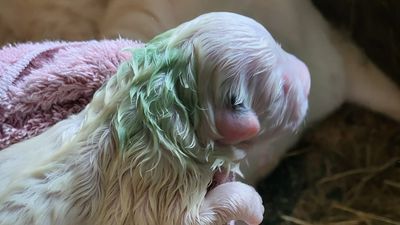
(137, 132)
(148, 137)
(143, 150)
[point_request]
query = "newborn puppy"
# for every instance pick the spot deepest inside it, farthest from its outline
(340, 72)
(161, 141)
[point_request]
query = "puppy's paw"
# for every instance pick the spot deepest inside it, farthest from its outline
(233, 201)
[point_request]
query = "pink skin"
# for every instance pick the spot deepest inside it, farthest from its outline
(236, 128)
(232, 201)
(295, 70)
(235, 200)
(240, 127)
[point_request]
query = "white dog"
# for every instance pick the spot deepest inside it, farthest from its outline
(161, 140)
(339, 71)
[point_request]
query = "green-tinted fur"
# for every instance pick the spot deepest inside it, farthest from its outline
(163, 102)
(138, 141)
(161, 112)
(152, 108)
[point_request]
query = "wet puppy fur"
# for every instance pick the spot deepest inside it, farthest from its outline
(146, 148)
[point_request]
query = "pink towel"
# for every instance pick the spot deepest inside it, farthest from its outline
(43, 83)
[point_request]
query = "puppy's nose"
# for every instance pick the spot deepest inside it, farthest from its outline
(236, 128)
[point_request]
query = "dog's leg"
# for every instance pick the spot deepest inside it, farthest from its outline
(366, 84)
(140, 20)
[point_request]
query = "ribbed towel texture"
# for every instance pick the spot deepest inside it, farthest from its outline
(43, 83)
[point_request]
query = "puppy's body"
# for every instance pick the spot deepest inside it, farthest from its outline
(339, 70)
(160, 131)
(27, 189)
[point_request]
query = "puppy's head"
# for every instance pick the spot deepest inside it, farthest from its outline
(208, 86)
(248, 87)
(187, 101)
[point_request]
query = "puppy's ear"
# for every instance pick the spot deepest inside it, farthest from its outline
(163, 95)
(236, 127)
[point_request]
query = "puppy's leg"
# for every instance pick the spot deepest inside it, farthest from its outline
(232, 201)
(366, 84)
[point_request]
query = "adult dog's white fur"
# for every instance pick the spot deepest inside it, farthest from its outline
(101, 167)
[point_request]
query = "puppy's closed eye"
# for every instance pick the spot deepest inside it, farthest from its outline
(236, 104)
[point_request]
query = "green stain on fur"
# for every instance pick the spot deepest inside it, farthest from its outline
(162, 111)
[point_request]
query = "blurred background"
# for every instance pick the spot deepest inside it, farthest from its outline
(344, 171)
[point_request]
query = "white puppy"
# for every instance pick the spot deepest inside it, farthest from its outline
(160, 142)
(339, 71)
